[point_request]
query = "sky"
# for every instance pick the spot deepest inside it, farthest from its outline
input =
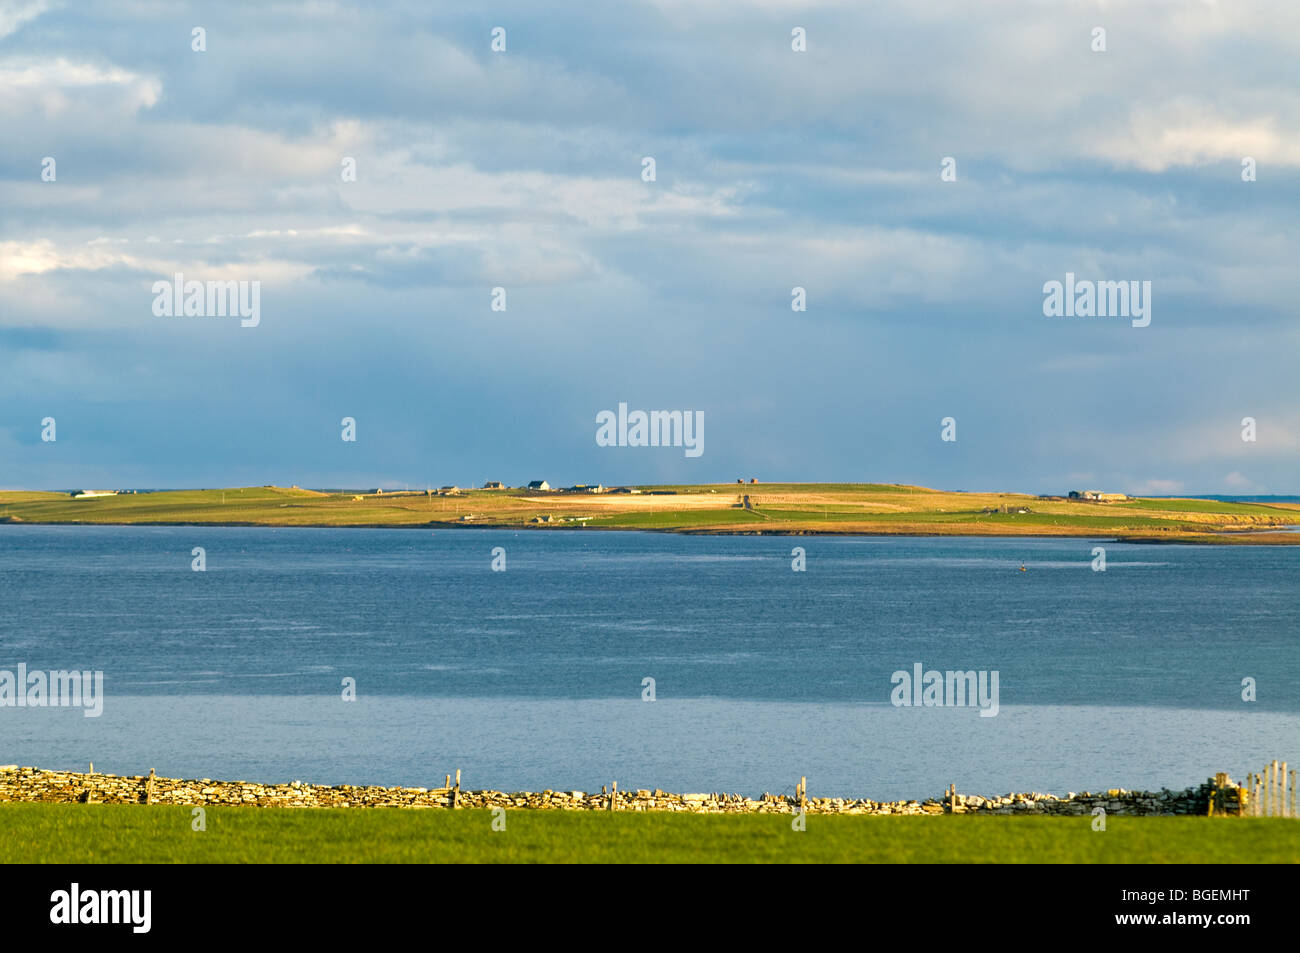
(774, 168)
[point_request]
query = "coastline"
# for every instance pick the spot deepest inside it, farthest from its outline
(1284, 536)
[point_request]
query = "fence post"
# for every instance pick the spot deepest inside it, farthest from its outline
(613, 796)
(148, 787)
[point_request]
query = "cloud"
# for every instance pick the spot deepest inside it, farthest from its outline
(15, 13)
(775, 169)
(59, 86)
(1184, 133)
(1157, 487)
(1238, 483)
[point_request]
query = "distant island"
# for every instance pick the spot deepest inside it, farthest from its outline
(877, 509)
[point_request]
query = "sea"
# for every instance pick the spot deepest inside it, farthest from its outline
(571, 659)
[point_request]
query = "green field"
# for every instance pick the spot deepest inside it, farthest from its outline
(797, 508)
(126, 833)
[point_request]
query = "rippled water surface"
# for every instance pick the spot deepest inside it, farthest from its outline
(533, 677)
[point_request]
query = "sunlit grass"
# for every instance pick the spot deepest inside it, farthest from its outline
(780, 507)
(120, 833)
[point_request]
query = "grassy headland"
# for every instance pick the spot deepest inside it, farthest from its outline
(776, 508)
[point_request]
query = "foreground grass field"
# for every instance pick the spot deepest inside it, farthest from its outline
(124, 833)
(861, 508)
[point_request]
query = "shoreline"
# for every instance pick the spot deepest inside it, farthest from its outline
(1285, 535)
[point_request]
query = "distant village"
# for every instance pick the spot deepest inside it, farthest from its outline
(542, 486)
(535, 486)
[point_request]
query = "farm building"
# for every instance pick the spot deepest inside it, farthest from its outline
(1097, 496)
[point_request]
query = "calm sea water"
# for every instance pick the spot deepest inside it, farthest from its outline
(532, 677)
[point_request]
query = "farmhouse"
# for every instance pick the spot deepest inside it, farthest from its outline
(1097, 496)
(86, 494)
(494, 485)
(538, 485)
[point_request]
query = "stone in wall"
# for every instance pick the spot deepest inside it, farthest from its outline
(33, 784)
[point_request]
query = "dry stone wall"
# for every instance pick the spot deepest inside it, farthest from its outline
(33, 784)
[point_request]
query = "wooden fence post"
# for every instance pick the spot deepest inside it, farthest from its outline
(148, 787)
(613, 796)
(803, 791)
(455, 792)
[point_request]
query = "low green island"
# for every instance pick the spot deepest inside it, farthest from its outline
(723, 508)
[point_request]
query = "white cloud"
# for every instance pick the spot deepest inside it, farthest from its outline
(1239, 483)
(57, 85)
(1185, 133)
(14, 13)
